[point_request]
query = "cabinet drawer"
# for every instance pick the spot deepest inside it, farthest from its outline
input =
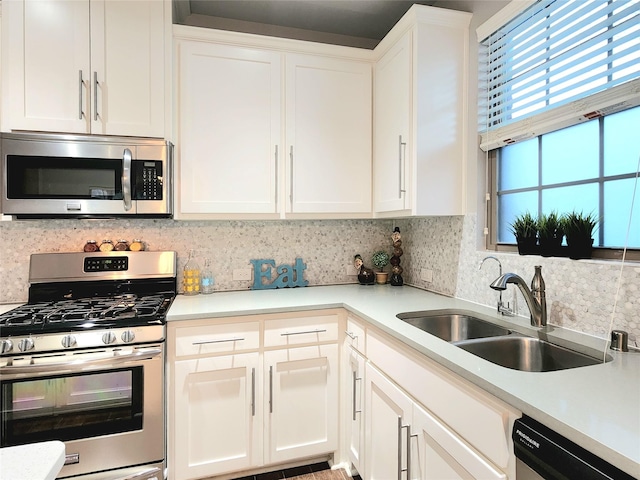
(212, 339)
(301, 330)
(355, 334)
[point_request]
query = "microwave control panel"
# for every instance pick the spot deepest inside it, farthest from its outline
(148, 180)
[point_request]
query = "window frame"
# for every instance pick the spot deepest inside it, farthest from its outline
(603, 253)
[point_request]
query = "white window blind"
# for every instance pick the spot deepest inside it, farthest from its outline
(558, 63)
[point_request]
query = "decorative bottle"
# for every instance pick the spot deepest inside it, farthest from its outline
(191, 276)
(207, 280)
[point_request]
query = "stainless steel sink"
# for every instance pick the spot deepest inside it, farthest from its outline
(452, 326)
(527, 354)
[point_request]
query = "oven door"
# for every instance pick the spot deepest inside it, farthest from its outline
(107, 405)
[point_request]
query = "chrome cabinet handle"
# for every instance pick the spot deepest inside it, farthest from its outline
(80, 85)
(95, 96)
(291, 177)
(253, 392)
(355, 379)
(276, 173)
(286, 334)
(126, 179)
(400, 469)
(271, 389)
(401, 157)
(206, 342)
(351, 335)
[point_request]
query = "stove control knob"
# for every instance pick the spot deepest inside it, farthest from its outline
(128, 336)
(68, 341)
(108, 338)
(25, 344)
(6, 346)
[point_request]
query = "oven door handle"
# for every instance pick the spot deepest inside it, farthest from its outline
(82, 363)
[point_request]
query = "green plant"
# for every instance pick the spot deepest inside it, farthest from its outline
(380, 259)
(524, 226)
(578, 226)
(550, 227)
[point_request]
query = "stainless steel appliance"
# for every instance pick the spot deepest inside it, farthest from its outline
(542, 454)
(83, 361)
(48, 175)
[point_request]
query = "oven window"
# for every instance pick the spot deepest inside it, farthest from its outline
(67, 178)
(71, 407)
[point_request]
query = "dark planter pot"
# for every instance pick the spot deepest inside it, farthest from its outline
(551, 247)
(580, 248)
(528, 246)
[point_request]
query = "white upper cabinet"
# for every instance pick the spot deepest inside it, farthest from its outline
(86, 66)
(271, 128)
(328, 135)
(229, 129)
(420, 114)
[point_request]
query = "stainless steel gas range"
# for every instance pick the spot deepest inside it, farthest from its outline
(83, 362)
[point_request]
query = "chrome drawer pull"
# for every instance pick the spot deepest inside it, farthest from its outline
(302, 333)
(351, 335)
(218, 341)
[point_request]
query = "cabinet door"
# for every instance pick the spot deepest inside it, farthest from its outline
(229, 129)
(392, 122)
(355, 418)
(387, 418)
(301, 402)
(328, 135)
(49, 65)
(439, 454)
(218, 415)
(127, 68)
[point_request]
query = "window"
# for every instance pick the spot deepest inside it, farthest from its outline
(590, 167)
(560, 113)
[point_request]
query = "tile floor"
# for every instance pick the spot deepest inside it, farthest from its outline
(317, 471)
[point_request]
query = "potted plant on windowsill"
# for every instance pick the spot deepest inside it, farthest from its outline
(579, 229)
(525, 229)
(381, 259)
(550, 234)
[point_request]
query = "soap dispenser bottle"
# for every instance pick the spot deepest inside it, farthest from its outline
(191, 276)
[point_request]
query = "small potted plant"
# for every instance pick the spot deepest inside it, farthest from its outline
(525, 229)
(579, 229)
(550, 234)
(381, 259)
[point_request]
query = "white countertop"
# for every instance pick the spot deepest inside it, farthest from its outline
(597, 407)
(36, 461)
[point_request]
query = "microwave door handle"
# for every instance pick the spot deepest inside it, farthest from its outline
(126, 179)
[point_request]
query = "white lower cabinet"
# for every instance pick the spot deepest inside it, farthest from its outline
(354, 415)
(218, 425)
(301, 419)
(247, 392)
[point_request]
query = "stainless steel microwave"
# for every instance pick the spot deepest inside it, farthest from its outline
(50, 175)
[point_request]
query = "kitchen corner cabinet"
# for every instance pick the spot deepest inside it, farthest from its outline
(420, 114)
(251, 391)
(86, 66)
(267, 132)
(421, 418)
(353, 386)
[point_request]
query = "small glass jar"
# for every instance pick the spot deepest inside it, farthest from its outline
(191, 276)
(137, 245)
(121, 246)
(90, 246)
(106, 246)
(207, 281)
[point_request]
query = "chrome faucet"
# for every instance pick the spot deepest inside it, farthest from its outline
(501, 307)
(535, 298)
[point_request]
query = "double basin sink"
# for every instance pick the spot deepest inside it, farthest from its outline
(497, 344)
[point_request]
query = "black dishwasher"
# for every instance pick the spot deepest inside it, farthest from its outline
(547, 454)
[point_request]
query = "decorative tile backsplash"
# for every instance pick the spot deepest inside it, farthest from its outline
(580, 294)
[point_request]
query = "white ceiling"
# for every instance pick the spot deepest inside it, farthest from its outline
(344, 21)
